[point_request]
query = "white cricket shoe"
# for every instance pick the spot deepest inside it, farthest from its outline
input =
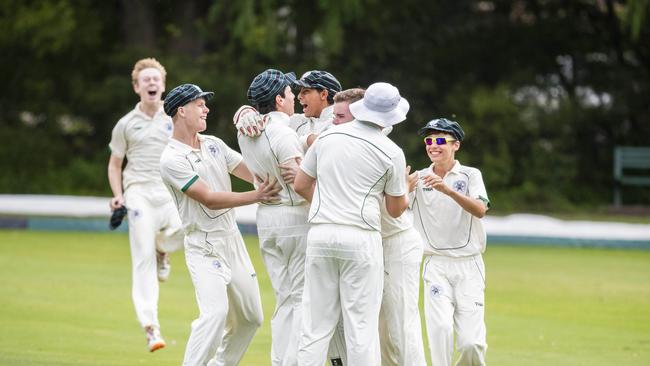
(154, 339)
(163, 265)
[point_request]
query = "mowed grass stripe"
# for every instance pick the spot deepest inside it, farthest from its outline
(65, 299)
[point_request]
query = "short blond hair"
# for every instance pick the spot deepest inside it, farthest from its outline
(147, 63)
(349, 95)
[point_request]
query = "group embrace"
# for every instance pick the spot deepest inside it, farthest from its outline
(343, 224)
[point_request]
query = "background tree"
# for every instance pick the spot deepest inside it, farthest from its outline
(544, 89)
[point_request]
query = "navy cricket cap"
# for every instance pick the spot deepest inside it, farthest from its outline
(268, 84)
(443, 125)
(317, 79)
(181, 95)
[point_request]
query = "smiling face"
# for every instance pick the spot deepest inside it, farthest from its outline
(149, 85)
(442, 153)
(313, 101)
(195, 113)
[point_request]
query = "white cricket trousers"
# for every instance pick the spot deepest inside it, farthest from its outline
(282, 232)
(228, 297)
(153, 224)
(343, 276)
(400, 329)
(454, 299)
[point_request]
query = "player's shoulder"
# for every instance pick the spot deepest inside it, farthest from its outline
(130, 116)
(468, 170)
(212, 139)
(298, 120)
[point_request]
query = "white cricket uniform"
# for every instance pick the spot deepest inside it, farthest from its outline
(305, 126)
(153, 220)
(354, 166)
(282, 229)
(225, 282)
(453, 273)
(400, 330)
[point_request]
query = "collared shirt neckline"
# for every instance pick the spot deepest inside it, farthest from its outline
(279, 116)
(146, 116)
(185, 147)
(454, 170)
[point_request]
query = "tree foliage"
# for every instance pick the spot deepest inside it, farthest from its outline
(544, 89)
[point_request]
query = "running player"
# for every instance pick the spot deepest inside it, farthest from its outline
(195, 169)
(154, 226)
(450, 199)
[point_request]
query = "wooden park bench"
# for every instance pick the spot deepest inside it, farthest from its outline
(626, 160)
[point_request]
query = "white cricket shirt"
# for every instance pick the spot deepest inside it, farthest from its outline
(277, 144)
(181, 165)
(354, 164)
(446, 228)
(141, 139)
(391, 225)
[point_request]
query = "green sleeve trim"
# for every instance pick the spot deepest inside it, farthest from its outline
(485, 200)
(185, 187)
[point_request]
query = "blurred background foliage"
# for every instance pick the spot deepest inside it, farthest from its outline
(544, 89)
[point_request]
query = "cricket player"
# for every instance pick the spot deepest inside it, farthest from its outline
(400, 333)
(154, 226)
(195, 169)
(449, 201)
(282, 226)
(348, 172)
(316, 90)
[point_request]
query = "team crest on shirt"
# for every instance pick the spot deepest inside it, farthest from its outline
(213, 150)
(216, 264)
(460, 185)
(435, 291)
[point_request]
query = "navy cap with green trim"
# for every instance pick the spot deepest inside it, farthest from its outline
(443, 125)
(268, 84)
(317, 79)
(181, 95)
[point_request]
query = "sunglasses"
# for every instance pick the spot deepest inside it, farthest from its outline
(438, 140)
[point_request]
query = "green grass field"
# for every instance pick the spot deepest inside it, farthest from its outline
(65, 300)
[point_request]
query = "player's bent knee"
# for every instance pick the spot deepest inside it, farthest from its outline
(471, 354)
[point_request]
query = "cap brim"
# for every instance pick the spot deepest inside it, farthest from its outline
(301, 84)
(205, 95)
(383, 119)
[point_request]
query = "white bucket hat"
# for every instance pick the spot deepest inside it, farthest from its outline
(381, 105)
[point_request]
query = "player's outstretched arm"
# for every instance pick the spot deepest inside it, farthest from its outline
(201, 192)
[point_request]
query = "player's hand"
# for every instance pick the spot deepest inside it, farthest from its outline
(435, 181)
(268, 189)
(116, 202)
(289, 169)
(411, 179)
(249, 122)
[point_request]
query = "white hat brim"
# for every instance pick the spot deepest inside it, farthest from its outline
(384, 119)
